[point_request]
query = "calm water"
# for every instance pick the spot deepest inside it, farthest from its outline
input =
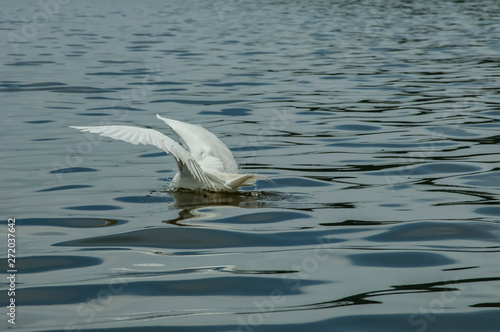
(378, 122)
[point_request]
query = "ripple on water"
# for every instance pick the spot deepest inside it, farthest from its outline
(357, 127)
(438, 168)
(406, 259)
(229, 112)
(488, 179)
(53, 87)
(68, 187)
(214, 286)
(38, 264)
(430, 169)
(259, 217)
(293, 182)
(192, 238)
(435, 231)
(144, 199)
(98, 207)
(198, 102)
(73, 170)
(72, 222)
(39, 121)
(489, 211)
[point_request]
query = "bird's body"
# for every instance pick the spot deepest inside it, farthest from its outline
(204, 164)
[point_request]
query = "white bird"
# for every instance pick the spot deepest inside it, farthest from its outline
(207, 164)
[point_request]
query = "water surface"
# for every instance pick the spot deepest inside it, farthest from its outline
(377, 121)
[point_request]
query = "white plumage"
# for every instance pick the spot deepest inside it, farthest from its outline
(205, 164)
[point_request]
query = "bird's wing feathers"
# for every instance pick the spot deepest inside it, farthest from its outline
(204, 146)
(146, 136)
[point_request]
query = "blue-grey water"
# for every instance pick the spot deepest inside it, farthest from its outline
(378, 122)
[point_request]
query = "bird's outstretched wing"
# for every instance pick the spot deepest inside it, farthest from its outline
(204, 146)
(146, 136)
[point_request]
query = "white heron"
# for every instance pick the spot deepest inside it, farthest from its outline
(205, 164)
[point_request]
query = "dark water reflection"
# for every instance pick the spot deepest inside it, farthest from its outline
(377, 121)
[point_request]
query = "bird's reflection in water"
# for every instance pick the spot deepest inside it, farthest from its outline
(191, 202)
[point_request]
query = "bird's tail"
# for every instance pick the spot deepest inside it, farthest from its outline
(242, 181)
(245, 180)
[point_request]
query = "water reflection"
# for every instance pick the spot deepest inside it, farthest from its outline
(73, 222)
(190, 199)
(191, 202)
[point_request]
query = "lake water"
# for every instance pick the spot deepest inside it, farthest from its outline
(378, 122)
